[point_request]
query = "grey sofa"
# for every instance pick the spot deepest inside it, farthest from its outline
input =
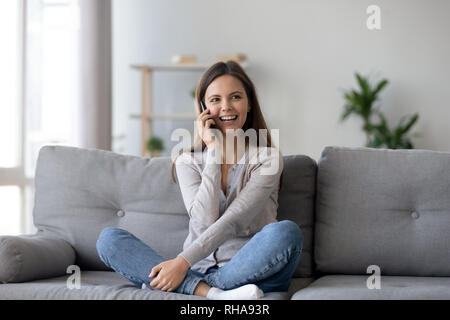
(357, 208)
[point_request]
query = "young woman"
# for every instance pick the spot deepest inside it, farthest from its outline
(236, 248)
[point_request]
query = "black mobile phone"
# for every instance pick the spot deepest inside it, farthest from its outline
(204, 108)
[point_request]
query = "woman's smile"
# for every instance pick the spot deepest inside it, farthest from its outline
(228, 120)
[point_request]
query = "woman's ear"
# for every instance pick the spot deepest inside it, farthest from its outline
(248, 108)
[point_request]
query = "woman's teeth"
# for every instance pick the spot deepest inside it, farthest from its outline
(228, 118)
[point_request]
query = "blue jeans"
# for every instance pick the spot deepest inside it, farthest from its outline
(268, 259)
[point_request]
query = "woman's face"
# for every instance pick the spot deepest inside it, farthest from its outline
(226, 96)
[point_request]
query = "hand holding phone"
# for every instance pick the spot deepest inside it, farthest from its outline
(205, 122)
(204, 109)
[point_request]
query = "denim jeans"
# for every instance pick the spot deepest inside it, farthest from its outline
(268, 259)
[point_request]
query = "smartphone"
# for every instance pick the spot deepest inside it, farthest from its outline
(204, 108)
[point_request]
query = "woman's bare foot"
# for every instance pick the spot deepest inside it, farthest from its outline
(202, 289)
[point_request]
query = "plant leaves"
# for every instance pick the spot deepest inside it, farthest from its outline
(363, 83)
(360, 102)
(411, 122)
(380, 87)
(349, 109)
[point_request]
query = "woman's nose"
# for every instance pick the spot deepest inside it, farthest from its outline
(226, 105)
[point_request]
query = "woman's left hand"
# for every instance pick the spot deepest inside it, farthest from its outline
(170, 274)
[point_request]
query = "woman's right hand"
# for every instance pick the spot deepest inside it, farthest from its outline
(204, 122)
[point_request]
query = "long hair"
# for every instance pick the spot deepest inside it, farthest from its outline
(255, 119)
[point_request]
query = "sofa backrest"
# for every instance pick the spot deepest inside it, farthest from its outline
(389, 208)
(78, 192)
(296, 203)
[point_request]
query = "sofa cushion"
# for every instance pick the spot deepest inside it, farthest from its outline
(94, 285)
(353, 287)
(389, 208)
(97, 285)
(31, 257)
(81, 191)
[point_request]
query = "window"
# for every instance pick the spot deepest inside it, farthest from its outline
(12, 182)
(10, 83)
(10, 199)
(51, 64)
(38, 78)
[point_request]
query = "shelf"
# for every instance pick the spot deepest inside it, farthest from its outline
(176, 67)
(170, 67)
(174, 116)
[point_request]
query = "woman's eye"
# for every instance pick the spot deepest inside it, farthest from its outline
(215, 99)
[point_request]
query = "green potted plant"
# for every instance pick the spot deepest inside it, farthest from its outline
(154, 146)
(378, 135)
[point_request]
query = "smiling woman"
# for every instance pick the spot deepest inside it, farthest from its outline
(236, 248)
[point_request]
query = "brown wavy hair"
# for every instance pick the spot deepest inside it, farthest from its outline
(255, 119)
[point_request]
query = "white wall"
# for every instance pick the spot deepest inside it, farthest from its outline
(302, 54)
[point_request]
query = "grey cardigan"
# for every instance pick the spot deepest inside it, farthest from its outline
(220, 225)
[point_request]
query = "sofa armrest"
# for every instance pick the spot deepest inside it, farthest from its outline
(31, 257)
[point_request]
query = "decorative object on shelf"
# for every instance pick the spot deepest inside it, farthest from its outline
(154, 146)
(238, 57)
(186, 58)
(378, 135)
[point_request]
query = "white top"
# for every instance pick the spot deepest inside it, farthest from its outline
(221, 224)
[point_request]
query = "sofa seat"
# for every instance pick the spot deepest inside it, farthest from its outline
(353, 287)
(108, 285)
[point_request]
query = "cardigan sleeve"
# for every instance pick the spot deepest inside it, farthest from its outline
(200, 190)
(251, 200)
